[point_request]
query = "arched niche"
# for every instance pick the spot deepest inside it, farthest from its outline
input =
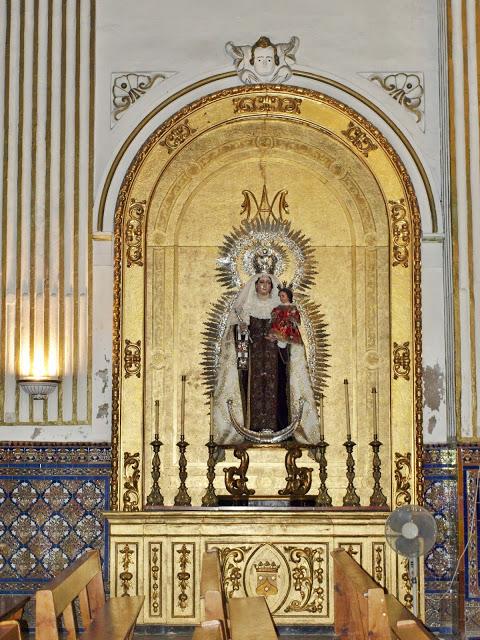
(350, 194)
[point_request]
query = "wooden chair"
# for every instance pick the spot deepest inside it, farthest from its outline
(10, 630)
(114, 618)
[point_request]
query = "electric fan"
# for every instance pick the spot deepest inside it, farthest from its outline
(411, 531)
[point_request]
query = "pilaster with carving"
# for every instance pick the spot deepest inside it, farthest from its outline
(155, 579)
(126, 568)
(378, 562)
(183, 579)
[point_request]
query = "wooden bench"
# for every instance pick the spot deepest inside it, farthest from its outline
(10, 630)
(239, 618)
(209, 630)
(363, 611)
(114, 618)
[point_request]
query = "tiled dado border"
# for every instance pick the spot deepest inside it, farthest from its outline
(51, 503)
(469, 531)
(440, 497)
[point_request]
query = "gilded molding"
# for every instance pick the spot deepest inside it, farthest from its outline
(267, 104)
(183, 576)
(403, 476)
(300, 74)
(134, 233)
(155, 580)
(132, 358)
(126, 562)
(307, 574)
(411, 200)
(400, 232)
(401, 360)
(359, 139)
(177, 136)
(131, 496)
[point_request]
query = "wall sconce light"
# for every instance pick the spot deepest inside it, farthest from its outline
(38, 388)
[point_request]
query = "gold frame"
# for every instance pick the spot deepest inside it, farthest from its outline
(176, 133)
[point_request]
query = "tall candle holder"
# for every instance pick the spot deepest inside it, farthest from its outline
(351, 498)
(377, 499)
(155, 498)
(182, 499)
(323, 498)
(210, 498)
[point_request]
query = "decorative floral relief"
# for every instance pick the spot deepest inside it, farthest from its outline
(359, 139)
(400, 232)
(403, 475)
(128, 88)
(401, 360)
(405, 88)
(131, 496)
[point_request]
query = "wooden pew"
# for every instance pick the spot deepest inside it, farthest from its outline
(240, 618)
(10, 630)
(114, 618)
(363, 611)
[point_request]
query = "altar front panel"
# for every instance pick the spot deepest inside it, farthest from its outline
(282, 554)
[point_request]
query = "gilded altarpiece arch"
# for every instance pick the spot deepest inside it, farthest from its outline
(350, 195)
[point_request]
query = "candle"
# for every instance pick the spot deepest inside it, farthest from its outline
(157, 417)
(182, 415)
(322, 433)
(375, 417)
(347, 409)
(211, 415)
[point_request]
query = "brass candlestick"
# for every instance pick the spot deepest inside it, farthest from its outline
(323, 499)
(210, 498)
(377, 499)
(155, 498)
(350, 499)
(182, 499)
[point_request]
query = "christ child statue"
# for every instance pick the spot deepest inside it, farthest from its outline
(285, 320)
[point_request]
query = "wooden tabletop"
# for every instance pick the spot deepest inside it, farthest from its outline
(11, 607)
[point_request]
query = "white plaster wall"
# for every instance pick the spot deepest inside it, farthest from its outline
(340, 41)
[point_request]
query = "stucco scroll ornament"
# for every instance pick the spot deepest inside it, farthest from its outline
(264, 61)
(131, 496)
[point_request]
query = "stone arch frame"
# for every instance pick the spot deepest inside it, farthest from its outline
(130, 252)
